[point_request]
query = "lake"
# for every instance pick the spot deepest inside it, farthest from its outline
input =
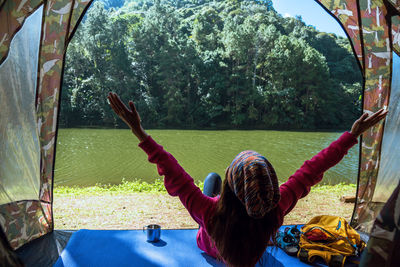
(85, 157)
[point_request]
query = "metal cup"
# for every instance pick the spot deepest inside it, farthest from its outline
(153, 232)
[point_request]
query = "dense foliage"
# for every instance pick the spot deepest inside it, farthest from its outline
(202, 64)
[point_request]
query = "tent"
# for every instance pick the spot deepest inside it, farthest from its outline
(34, 35)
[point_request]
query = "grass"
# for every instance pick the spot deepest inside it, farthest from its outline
(126, 187)
(132, 205)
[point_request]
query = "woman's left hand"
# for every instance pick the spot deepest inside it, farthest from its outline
(367, 121)
(129, 116)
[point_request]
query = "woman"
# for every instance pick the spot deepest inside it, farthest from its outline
(236, 226)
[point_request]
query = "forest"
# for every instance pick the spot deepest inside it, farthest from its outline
(201, 64)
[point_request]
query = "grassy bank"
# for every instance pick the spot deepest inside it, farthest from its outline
(126, 187)
(131, 205)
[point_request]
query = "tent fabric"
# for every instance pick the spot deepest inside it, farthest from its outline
(377, 71)
(20, 170)
(346, 12)
(79, 9)
(7, 256)
(396, 34)
(389, 170)
(22, 215)
(45, 250)
(53, 45)
(395, 4)
(130, 248)
(26, 220)
(12, 17)
(384, 243)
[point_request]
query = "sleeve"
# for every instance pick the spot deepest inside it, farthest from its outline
(177, 181)
(311, 172)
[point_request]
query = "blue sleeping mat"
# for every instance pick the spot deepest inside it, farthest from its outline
(130, 248)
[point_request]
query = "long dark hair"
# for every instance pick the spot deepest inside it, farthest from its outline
(240, 239)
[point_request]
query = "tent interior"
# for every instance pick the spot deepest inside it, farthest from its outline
(34, 36)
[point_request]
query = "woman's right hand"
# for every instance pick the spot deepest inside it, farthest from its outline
(129, 116)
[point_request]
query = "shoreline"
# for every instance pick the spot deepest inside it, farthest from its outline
(211, 129)
(132, 205)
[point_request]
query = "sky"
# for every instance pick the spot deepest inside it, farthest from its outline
(311, 12)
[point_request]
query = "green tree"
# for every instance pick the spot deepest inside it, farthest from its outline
(201, 63)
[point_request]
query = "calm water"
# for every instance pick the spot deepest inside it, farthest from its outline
(89, 156)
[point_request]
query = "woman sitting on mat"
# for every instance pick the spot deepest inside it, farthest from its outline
(236, 226)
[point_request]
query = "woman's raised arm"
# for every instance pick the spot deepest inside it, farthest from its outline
(311, 172)
(176, 180)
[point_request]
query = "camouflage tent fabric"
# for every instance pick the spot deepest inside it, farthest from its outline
(395, 4)
(13, 15)
(371, 25)
(396, 34)
(24, 221)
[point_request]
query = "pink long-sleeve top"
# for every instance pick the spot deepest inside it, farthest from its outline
(201, 207)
